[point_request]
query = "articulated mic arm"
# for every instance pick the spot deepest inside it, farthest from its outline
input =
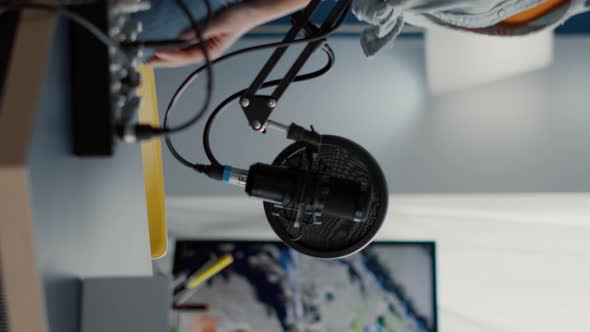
(258, 108)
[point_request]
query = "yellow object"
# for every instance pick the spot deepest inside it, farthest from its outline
(152, 166)
(538, 11)
(212, 270)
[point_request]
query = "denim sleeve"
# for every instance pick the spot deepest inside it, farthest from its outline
(386, 23)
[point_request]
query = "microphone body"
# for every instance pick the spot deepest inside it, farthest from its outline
(318, 194)
(325, 200)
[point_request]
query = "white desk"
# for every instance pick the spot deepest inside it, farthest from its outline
(61, 218)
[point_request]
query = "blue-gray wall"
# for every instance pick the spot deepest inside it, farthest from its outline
(525, 134)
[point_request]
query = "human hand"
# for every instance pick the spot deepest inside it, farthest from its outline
(224, 30)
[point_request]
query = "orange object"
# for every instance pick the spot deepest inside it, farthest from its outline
(531, 14)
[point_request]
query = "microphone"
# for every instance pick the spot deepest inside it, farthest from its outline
(315, 194)
(324, 196)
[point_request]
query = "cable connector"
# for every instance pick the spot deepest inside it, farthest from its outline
(138, 133)
(214, 172)
(226, 174)
(298, 133)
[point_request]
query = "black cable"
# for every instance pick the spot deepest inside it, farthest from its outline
(196, 72)
(81, 21)
(326, 48)
(158, 44)
(209, 92)
(175, 43)
(171, 44)
(182, 88)
(207, 132)
(161, 44)
(208, 66)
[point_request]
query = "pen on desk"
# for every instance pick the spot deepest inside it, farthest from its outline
(199, 278)
(182, 285)
(218, 266)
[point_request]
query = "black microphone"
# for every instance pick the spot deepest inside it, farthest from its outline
(315, 193)
(324, 196)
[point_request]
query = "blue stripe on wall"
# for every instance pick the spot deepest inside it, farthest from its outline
(579, 24)
(322, 11)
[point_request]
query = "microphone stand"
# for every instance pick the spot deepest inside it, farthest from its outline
(343, 191)
(257, 108)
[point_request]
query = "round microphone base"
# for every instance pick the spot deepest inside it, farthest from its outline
(330, 237)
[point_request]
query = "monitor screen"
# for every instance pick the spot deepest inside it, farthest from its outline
(389, 286)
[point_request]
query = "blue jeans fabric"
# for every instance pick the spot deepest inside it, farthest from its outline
(165, 20)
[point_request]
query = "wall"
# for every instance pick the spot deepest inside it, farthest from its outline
(525, 134)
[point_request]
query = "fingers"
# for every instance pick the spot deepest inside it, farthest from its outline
(181, 57)
(167, 61)
(161, 63)
(216, 45)
(188, 35)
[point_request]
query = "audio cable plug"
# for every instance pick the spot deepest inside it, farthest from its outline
(138, 133)
(297, 133)
(226, 174)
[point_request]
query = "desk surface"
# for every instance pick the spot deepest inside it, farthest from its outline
(88, 215)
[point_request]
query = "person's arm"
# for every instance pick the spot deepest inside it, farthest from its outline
(226, 28)
(273, 9)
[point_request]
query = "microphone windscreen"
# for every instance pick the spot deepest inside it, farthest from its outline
(346, 199)
(334, 234)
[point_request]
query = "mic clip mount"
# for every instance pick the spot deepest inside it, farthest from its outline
(258, 108)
